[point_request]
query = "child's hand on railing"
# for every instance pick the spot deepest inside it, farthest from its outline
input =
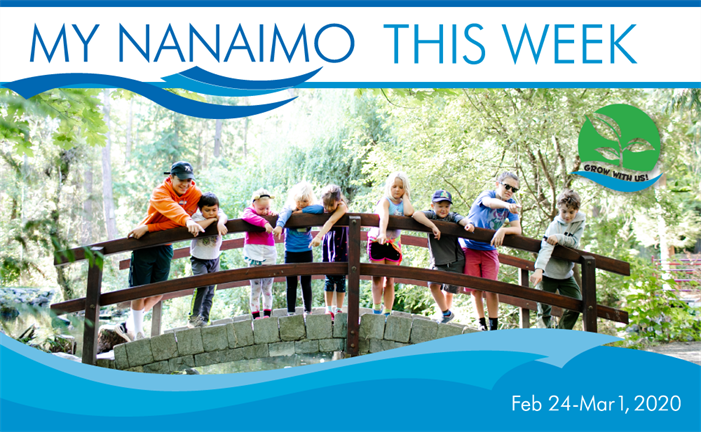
(537, 276)
(268, 228)
(552, 239)
(316, 241)
(221, 228)
(138, 232)
(436, 232)
(277, 232)
(194, 228)
(470, 227)
(498, 238)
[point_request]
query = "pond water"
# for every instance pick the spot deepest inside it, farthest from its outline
(269, 363)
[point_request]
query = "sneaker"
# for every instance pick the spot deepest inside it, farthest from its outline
(331, 313)
(482, 327)
(446, 318)
(196, 322)
(139, 336)
(121, 330)
(377, 312)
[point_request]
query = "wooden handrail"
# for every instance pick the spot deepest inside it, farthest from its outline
(282, 270)
(77, 305)
(406, 240)
(367, 220)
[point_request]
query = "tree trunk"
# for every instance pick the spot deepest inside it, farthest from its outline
(127, 152)
(245, 137)
(662, 231)
(245, 131)
(63, 166)
(107, 196)
(86, 231)
(203, 149)
(217, 139)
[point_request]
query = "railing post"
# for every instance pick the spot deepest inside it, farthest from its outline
(92, 308)
(156, 319)
(524, 314)
(352, 338)
(589, 313)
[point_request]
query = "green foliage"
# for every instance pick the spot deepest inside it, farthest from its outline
(452, 139)
(655, 311)
(80, 119)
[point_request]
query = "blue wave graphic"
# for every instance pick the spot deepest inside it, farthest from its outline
(478, 374)
(559, 348)
(206, 77)
(194, 79)
(617, 184)
(179, 81)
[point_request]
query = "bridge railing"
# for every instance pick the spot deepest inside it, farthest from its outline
(524, 267)
(353, 269)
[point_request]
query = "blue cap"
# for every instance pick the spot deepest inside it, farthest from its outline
(442, 195)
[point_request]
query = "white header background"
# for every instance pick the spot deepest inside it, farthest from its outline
(665, 42)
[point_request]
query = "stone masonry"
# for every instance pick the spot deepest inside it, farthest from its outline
(241, 338)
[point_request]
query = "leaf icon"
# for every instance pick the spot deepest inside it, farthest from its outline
(638, 145)
(606, 127)
(609, 153)
(631, 140)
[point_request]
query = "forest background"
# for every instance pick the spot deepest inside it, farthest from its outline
(78, 166)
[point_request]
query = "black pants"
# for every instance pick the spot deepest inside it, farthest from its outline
(203, 296)
(295, 258)
(150, 265)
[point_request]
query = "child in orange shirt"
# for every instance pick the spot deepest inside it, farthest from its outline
(172, 204)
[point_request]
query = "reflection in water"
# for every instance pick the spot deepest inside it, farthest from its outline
(268, 363)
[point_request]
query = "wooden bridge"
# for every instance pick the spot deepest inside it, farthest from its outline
(519, 295)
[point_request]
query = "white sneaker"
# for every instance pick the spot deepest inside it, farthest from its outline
(124, 332)
(139, 336)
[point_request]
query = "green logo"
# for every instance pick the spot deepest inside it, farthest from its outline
(623, 136)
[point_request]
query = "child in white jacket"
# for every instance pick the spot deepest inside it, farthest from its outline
(552, 274)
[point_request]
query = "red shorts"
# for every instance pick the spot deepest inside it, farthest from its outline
(481, 263)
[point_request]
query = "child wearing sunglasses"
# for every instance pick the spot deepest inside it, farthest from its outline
(491, 210)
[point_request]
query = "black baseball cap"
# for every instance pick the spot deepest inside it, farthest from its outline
(181, 169)
(441, 195)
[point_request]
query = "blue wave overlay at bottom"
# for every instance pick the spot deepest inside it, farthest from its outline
(617, 184)
(530, 379)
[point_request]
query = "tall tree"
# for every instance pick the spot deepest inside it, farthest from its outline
(130, 119)
(107, 194)
(217, 139)
(87, 228)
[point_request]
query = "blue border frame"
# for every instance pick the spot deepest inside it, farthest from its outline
(450, 85)
(353, 3)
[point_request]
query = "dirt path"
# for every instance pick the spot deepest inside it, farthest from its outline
(689, 351)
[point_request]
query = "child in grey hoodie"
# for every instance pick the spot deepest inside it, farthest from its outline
(552, 275)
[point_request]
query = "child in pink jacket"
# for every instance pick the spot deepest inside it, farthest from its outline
(259, 249)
